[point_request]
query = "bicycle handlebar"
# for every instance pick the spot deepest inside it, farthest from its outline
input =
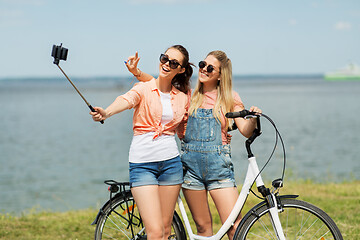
(241, 114)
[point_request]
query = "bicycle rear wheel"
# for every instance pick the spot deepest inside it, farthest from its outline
(121, 220)
(300, 220)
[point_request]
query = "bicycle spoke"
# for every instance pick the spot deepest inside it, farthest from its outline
(118, 228)
(322, 237)
(266, 228)
(303, 224)
(258, 236)
(109, 236)
(310, 228)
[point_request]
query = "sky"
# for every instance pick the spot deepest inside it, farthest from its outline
(260, 37)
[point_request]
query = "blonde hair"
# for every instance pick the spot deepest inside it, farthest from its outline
(224, 101)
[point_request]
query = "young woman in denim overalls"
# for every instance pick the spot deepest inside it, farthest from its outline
(206, 153)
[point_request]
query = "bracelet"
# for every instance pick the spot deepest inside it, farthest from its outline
(138, 74)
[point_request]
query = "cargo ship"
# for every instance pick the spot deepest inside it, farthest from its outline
(350, 72)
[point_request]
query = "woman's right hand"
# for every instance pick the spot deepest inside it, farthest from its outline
(132, 63)
(99, 114)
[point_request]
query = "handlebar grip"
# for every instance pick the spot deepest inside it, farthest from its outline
(241, 114)
(93, 110)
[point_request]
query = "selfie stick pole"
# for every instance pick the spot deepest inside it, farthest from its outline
(91, 108)
(87, 103)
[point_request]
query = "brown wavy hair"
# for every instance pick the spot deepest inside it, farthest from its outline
(182, 80)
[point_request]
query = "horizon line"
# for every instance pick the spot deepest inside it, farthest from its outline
(281, 75)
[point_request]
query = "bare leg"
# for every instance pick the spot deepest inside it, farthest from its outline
(198, 203)
(168, 197)
(147, 199)
(225, 199)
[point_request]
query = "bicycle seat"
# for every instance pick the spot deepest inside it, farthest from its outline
(113, 182)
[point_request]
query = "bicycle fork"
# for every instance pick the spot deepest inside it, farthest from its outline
(269, 196)
(274, 214)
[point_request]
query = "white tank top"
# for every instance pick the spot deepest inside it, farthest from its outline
(144, 148)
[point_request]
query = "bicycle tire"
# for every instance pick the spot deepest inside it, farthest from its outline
(121, 220)
(299, 219)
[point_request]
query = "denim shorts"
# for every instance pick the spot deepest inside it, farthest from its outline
(208, 170)
(168, 172)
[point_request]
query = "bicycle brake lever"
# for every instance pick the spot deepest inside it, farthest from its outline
(250, 116)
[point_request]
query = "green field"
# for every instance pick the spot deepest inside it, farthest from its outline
(340, 200)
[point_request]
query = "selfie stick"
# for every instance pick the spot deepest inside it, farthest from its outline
(60, 53)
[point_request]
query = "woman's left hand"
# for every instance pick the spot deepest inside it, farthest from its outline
(255, 109)
(132, 63)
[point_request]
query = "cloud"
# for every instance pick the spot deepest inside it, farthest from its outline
(342, 26)
(7, 13)
(23, 2)
(12, 12)
(165, 1)
(11, 18)
(153, 1)
(293, 22)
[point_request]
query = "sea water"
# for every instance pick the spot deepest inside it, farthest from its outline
(54, 157)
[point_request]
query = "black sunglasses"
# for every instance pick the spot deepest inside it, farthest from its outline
(172, 63)
(209, 69)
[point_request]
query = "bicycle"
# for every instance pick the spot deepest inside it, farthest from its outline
(275, 217)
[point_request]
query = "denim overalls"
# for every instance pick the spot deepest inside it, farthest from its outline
(206, 161)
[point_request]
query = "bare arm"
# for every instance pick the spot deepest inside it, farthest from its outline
(119, 105)
(131, 65)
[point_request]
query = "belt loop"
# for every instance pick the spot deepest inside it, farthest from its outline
(219, 150)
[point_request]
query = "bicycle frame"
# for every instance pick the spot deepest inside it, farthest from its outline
(253, 174)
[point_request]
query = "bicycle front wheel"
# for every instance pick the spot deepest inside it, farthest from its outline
(121, 220)
(299, 220)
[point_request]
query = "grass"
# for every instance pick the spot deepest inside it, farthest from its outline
(340, 200)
